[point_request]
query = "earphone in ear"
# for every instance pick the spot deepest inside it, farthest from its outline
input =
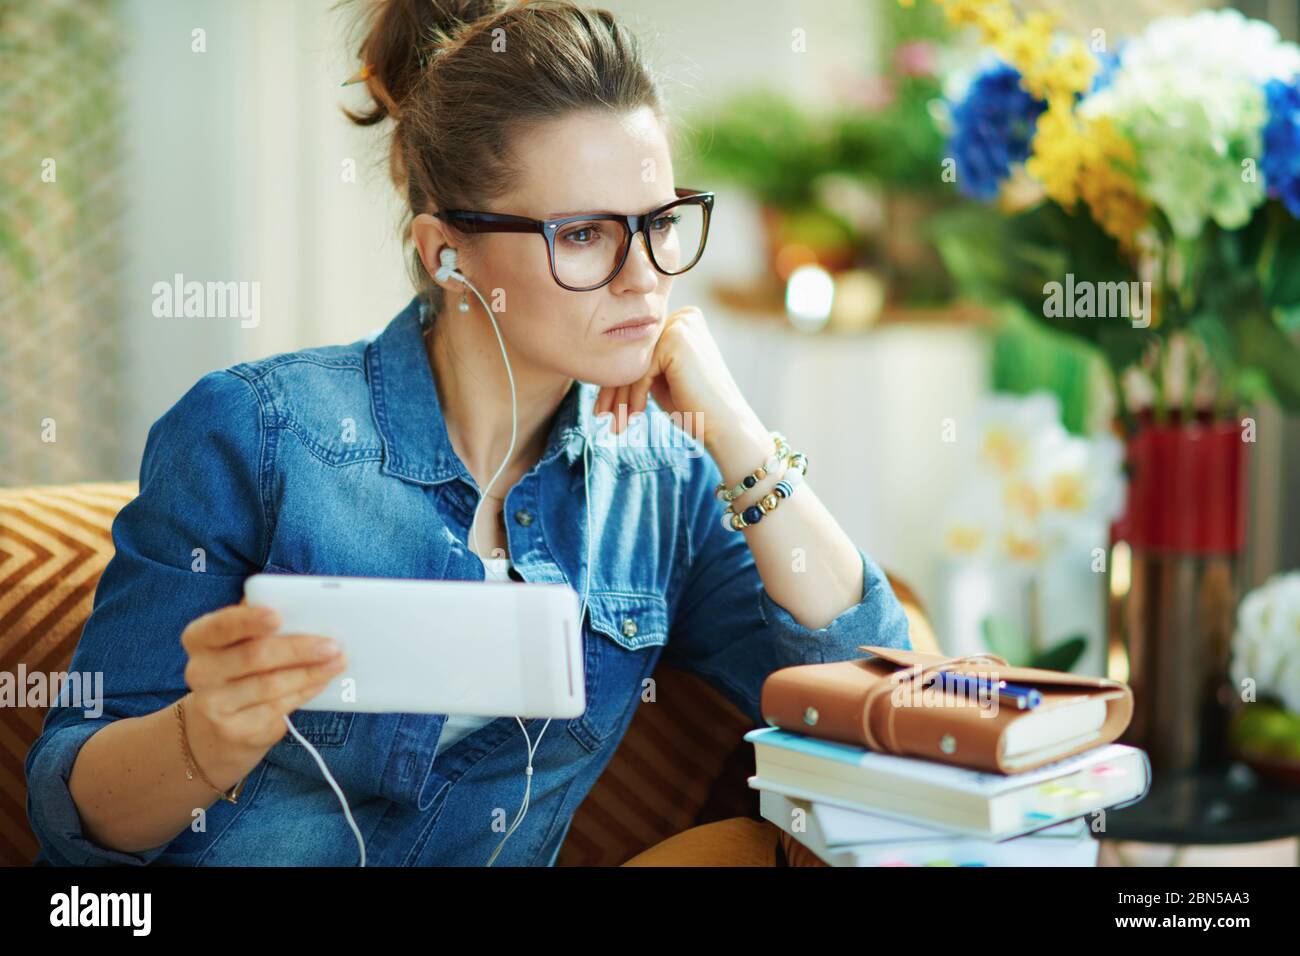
(447, 267)
(448, 271)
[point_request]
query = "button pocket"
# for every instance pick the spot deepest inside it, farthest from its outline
(631, 620)
(619, 649)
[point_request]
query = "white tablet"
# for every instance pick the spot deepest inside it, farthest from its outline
(486, 648)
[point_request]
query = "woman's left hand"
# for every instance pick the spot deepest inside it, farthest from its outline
(688, 379)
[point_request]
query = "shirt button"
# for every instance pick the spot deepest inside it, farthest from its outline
(629, 627)
(524, 518)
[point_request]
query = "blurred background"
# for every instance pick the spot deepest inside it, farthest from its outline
(1056, 491)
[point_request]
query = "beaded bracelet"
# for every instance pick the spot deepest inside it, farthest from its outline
(725, 494)
(792, 479)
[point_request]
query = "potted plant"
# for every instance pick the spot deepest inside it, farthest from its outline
(850, 184)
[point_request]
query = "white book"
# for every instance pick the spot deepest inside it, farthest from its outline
(939, 795)
(842, 837)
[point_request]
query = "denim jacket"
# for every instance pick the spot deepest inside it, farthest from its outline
(336, 461)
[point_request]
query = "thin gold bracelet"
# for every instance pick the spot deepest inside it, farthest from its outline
(191, 765)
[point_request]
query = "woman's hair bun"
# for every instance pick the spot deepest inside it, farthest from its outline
(400, 39)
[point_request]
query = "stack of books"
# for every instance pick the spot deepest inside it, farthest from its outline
(1033, 789)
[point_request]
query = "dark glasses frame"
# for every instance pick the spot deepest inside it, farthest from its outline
(469, 221)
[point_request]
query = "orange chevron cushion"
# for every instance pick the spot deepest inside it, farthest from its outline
(54, 544)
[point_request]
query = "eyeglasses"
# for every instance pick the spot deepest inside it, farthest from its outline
(587, 251)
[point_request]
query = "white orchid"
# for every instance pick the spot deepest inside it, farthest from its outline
(1032, 489)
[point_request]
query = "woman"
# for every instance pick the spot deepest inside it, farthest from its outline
(368, 459)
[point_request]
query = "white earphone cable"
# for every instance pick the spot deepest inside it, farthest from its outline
(448, 270)
(338, 792)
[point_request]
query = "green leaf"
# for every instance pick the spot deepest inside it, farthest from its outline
(1062, 656)
(1282, 273)
(1215, 333)
(1263, 345)
(1004, 640)
(1289, 318)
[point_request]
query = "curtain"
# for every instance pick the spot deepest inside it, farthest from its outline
(60, 240)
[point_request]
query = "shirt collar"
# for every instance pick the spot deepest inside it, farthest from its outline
(409, 415)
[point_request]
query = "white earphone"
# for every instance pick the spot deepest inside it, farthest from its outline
(447, 270)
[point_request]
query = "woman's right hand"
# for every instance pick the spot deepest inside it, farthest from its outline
(245, 679)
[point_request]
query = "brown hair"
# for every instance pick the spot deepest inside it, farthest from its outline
(462, 77)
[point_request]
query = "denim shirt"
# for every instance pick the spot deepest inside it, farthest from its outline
(336, 461)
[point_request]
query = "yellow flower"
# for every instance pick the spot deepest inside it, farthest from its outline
(1072, 157)
(1024, 549)
(1055, 159)
(1026, 51)
(1041, 25)
(1003, 451)
(1107, 185)
(1075, 159)
(1075, 69)
(964, 540)
(1066, 493)
(1019, 495)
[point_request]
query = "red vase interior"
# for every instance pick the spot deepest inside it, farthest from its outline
(1186, 489)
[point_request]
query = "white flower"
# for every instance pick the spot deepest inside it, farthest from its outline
(1007, 426)
(1266, 645)
(1032, 488)
(1288, 682)
(1188, 93)
(1077, 475)
(974, 518)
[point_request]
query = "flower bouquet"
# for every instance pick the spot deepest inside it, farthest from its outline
(1145, 200)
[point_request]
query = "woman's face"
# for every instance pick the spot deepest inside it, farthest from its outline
(585, 162)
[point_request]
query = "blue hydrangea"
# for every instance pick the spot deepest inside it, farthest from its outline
(992, 129)
(1280, 163)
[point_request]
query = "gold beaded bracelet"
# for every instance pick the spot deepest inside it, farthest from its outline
(734, 520)
(725, 494)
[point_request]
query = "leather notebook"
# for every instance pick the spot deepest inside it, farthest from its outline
(888, 703)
